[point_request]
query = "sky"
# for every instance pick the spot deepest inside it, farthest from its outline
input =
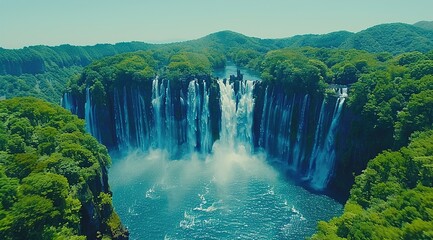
(88, 22)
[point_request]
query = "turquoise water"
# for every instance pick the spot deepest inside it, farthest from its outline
(230, 194)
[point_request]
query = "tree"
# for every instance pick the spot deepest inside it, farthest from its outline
(49, 185)
(21, 165)
(31, 214)
(15, 144)
(417, 116)
(8, 192)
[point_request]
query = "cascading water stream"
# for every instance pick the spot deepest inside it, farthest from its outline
(324, 161)
(199, 137)
(318, 136)
(157, 95)
(206, 140)
(298, 155)
(90, 117)
(228, 113)
(236, 117)
(244, 115)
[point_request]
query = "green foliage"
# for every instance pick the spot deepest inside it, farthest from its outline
(48, 185)
(421, 68)
(394, 99)
(8, 191)
(394, 38)
(391, 199)
(48, 85)
(294, 71)
(417, 115)
(31, 214)
(136, 67)
(43, 72)
(188, 65)
(49, 168)
(15, 144)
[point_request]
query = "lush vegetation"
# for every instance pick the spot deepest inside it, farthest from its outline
(42, 71)
(310, 69)
(52, 175)
(425, 24)
(393, 101)
(40, 59)
(49, 85)
(391, 199)
(136, 68)
(394, 38)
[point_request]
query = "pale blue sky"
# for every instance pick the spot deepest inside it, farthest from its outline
(87, 22)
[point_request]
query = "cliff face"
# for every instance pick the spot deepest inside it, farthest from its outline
(55, 173)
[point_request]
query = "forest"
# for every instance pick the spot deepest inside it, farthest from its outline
(53, 174)
(53, 179)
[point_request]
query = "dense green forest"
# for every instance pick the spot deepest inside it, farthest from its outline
(40, 70)
(391, 199)
(53, 179)
(49, 85)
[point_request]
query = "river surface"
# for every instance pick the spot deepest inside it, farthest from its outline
(230, 69)
(229, 194)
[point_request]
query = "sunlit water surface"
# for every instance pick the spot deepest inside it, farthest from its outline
(230, 194)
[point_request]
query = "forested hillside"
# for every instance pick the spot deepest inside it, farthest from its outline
(53, 176)
(391, 199)
(42, 71)
(425, 24)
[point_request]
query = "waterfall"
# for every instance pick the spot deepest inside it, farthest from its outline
(228, 112)
(157, 95)
(284, 131)
(287, 133)
(264, 121)
(192, 115)
(244, 114)
(67, 102)
(236, 113)
(118, 121)
(299, 130)
(324, 160)
(206, 140)
(142, 137)
(90, 117)
(298, 155)
(199, 138)
(318, 136)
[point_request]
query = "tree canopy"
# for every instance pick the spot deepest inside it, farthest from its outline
(50, 169)
(391, 199)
